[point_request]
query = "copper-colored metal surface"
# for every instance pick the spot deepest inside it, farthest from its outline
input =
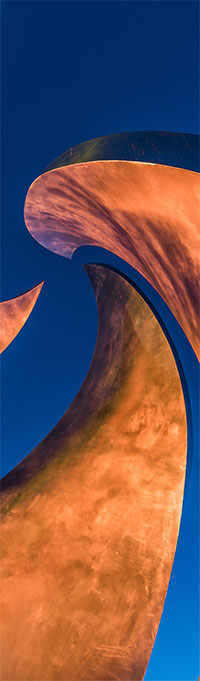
(14, 314)
(91, 517)
(145, 213)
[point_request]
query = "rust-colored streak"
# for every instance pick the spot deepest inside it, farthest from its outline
(92, 515)
(147, 214)
(14, 314)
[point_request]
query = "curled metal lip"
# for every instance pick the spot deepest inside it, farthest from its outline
(147, 214)
(168, 148)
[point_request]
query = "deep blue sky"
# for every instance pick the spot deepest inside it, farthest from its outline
(72, 71)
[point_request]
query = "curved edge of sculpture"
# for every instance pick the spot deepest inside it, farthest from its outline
(171, 148)
(14, 314)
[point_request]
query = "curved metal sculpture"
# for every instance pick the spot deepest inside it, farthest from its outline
(92, 515)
